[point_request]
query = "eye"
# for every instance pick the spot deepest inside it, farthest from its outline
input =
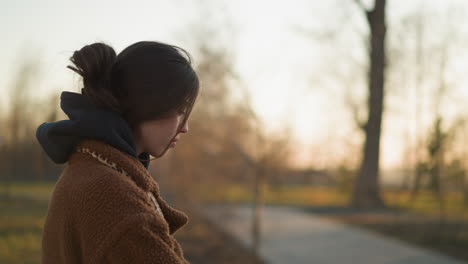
(182, 111)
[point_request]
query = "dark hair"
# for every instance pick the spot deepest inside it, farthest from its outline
(148, 80)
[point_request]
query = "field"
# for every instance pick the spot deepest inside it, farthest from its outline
(303, 195)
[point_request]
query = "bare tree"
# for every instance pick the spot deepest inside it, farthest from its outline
(227, 141)
(17, 123)
(366, 190)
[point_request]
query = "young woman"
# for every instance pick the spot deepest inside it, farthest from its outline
(106, 207)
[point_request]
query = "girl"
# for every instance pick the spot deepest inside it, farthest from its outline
(106, 207)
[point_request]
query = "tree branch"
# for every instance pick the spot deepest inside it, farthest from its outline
(361, 5)
(354, 108)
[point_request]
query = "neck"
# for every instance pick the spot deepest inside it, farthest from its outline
(138, 147)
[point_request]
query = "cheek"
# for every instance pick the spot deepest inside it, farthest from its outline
(151, 137)
(156, 135)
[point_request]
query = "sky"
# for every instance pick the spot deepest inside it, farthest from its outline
(278, 53)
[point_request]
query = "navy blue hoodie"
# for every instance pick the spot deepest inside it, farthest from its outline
(86, 120)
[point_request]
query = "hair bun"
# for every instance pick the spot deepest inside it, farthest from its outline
(94, 64)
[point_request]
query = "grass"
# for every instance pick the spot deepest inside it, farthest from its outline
(306, 195)
(292, 195)
(31, 190)
(203, 242)
(21, 222)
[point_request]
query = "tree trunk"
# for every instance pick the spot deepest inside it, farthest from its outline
(366, 193)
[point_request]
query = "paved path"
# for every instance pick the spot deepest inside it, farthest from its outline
(291, 236)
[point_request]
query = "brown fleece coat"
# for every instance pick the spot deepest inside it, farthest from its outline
(106, 208)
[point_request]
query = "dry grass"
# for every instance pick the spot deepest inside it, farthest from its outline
(204, 242)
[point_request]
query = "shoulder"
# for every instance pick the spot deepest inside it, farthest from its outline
(102, 197)
(103, 207)
(89, 179)
(98, 185)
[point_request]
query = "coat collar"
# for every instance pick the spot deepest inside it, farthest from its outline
(133, 168)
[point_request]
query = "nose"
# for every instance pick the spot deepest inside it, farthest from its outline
(184, 128)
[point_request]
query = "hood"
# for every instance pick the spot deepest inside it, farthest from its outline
(86, 120)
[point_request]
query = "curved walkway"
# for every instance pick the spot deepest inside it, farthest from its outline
(292, 236)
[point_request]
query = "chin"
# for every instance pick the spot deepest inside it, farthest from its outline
(160, 155)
